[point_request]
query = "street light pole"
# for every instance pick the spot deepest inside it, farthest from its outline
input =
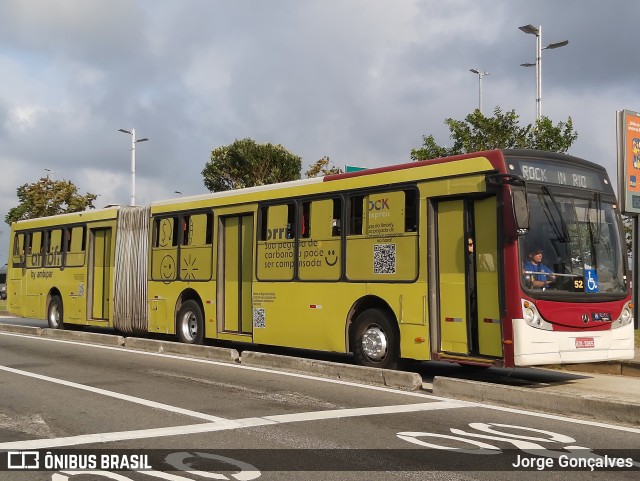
(537, 31)
(480, 75)
(134, 141)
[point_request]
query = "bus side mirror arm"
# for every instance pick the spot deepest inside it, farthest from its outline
(519, 202)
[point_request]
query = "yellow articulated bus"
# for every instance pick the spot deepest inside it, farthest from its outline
(377, 263)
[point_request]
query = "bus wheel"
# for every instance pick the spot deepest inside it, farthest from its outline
(190, 325)
(54, 314)
(375, 343)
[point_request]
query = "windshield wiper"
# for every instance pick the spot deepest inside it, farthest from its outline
(598, 229)
(565, 230)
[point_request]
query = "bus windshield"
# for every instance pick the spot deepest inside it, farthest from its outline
(580, 245)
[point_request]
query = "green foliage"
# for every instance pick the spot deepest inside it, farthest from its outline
(246, 163)
(627, 223)
(48, 197)
(502, 131)
(322, 167)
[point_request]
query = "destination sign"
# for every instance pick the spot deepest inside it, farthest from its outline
(557, 173)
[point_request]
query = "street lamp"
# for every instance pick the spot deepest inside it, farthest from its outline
(134, 141)
(537, 31)
(51, 172)
(480, 75)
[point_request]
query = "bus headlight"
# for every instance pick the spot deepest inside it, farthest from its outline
(532, 317)
(626, 316)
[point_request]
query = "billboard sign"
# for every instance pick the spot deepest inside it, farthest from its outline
(629, 162)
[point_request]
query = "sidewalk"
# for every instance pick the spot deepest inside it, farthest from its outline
(596, 391)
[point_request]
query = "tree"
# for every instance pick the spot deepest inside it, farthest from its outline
(502, 131)
(246, 163)
(322, 167)
(627, 223)
(48, 197)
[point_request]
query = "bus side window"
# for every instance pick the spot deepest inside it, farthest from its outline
(68, 234)
(323, 222)
(305, 221)
(411, 210)
(278, 222)
(197, 230)
(355, 214)
(28, 240)
(76, 246)
(54, 248)
(336, 222)
(187, 229)
(18, 250)
(166, 232)
(36, 246)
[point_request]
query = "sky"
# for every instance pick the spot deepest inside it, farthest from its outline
(360, 81)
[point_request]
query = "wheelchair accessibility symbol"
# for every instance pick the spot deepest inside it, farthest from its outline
(591, 280)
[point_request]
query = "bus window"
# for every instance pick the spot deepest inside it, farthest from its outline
(66, 247)
(18, 250)
(198, 229)
(276, 243)
(336, 221)
(411, 211)
(355, 214)
(319, 257)
(389, 249)
(165, 232)
(305, 228)
(34, 259)
(164, 255)
(54, 248)
(76, 246)
(196, 247)
(385, 214)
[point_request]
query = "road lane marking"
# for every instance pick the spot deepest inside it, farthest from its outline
(226, 425)
(234, 366)
(113, 394)
(347, 383)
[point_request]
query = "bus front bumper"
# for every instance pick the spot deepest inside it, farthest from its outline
(536, 347)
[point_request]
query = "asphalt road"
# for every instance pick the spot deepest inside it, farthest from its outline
(80, 402)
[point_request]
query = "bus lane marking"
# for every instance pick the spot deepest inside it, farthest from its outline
(113, 394)
(421, 395)
(230, 424)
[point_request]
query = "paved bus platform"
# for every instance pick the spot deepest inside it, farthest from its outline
(595, 391)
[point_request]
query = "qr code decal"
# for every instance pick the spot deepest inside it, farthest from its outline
(259, 320)
(384, 258)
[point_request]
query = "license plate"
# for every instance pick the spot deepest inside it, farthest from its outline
(585, 342)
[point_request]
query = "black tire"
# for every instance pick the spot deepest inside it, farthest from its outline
(374, 340)
(190, 323)
(55, 313)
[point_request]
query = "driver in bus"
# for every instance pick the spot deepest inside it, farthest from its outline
(534, 264)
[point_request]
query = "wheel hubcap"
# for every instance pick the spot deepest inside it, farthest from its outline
(374, 343)
(54, 316)
(189, 326)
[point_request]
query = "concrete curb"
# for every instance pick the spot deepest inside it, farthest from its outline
(168, 347)
(92, 337)
(366, 375)
(32, 331)
(544, 400)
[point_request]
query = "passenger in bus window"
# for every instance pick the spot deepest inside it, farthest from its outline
(533, 265)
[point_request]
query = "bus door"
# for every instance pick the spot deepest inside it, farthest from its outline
(467, 281)
(235, 274)
(101, 262)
